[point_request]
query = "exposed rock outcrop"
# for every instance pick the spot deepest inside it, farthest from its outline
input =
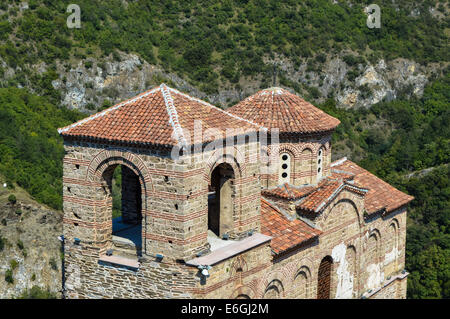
(31, 249)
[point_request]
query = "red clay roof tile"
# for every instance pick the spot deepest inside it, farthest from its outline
(287, 191)
(285, 233)
(278, 108)
(381, 195)
(158, 116)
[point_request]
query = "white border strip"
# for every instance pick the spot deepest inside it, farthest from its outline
(173, 115)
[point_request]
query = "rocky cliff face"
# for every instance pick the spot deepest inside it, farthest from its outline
(362, 84)
(31, 249)
(86, 84)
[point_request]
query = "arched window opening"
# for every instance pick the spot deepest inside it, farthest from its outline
(125, 190)
(220, 200)
(284, 175)
(324, 278)
(320, 164)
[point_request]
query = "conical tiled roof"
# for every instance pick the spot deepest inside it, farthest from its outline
(160, 116)
(278, 108)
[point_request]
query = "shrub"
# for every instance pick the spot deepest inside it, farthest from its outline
(20, 244)
(13, 264)
(12, 199)
(37, 292)
(53, 263)
(9, 276)
(2, 243)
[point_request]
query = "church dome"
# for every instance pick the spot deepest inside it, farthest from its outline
(278, 108)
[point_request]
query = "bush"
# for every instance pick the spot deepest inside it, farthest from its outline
(20, 244)
(13, 264)
(12, 199)
(9, 276)
(2, 243)
(37, 292)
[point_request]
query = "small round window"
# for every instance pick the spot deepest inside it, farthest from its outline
(284, 168)
(319, 164)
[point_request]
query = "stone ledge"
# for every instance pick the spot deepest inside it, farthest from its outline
(120, 261)
(230, 250)
(400, 276)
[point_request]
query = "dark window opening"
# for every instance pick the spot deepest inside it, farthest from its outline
(126, 210)
(220, 200)
(324, 278)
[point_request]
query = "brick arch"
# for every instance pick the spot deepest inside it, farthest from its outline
(238, 263)
(216, 159)
(345, 200)
(274, 285)
(243, 292)
(306, 291)
(307, 160)
(376, 235)
(324, 277)
(270, 277)
(395, 222)
(392, 242)
(308, 145)
(107, 158)
(295, 266)
(288, 148)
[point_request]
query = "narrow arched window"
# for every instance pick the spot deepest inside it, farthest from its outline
(284, 175)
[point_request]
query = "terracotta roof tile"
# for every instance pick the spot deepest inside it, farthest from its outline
(321, 196)
(278, 108)
(158, 116)
(285, 233)
(381, 195)
(287, 191)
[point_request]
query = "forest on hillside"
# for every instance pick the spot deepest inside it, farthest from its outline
(215, 44)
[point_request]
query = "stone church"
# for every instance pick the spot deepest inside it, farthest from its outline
(242, 203)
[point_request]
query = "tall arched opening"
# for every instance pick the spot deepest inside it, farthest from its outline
(221, 200)
(324, 278)
(124, 189)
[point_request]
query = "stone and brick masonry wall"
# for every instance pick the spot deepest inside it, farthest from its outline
(174, 207)
(304, 153)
